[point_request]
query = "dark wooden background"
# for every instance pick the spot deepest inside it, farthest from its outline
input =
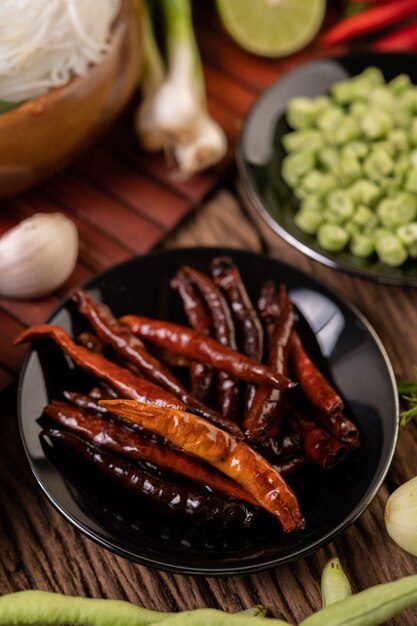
(125, 203)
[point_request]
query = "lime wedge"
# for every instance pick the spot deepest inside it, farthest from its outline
(272, 28)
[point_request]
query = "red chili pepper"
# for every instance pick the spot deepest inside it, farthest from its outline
(402, 39)
(193, 345)
(266, 410)
(201, 374)
(227, 389)
(234, 458)
(319, 445)
(127, 384)
(227, 276)
(314, 385)
(369, 21)
(192, 503)
(132, 349)
(113, 437)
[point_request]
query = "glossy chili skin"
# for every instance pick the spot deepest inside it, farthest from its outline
(319, 445)
(91, 342)
(292, 465)
(340, 426)
(124, 381)
(135, 445)
(267, 407)
(132, 349)
(201, 374)
(227, 388)
(269, 311)
(227, 277)
(193, 345)
(277, 448)
(217, 447)
(191, 503)
(85, 402)
(314, 385)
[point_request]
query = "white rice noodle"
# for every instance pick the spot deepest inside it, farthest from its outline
(43, 43)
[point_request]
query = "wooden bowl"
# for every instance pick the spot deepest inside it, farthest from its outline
(45, 134)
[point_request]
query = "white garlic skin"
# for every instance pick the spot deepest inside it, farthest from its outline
(37, 255)
(401, 516)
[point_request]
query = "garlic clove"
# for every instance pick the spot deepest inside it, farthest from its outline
(37, 255)
(401, 516)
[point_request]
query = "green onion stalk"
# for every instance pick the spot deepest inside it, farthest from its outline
(173, 114)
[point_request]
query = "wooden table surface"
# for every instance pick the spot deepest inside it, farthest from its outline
(38, 548)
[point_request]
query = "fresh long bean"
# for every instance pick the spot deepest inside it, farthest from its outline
(371, 607)
(335, 585)
(41, 608)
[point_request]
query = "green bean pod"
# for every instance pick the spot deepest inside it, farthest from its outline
(371, 607)
(42, 608)
(335, 585)
(213, 617)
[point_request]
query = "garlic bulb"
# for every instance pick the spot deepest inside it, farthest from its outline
(401, 516)
(37, 255)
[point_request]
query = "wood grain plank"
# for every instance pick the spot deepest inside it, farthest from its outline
(158, 205)
(29, 312)
(226, 90)
(111, 217)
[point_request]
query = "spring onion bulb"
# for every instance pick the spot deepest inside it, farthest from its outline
(43, 43)
(173, 113)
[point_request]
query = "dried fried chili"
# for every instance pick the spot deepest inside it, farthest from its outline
(227, 277)
(91, 342)
(201, 374)
(217, 447)
(193, 345)
(267, 406)
(339, 426)
(269, 311)
(132, 349)
(196, 504)
(227, 388)
(290, 466)
(124, 381)
(135, 446)
(319, 445)
(313, 383)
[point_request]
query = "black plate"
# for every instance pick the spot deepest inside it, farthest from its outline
(260, 154)
(338, 337)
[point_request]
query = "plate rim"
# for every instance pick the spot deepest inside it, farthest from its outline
(251, 195)
(268, 562)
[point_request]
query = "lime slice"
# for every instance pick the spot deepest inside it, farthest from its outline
(272, 28)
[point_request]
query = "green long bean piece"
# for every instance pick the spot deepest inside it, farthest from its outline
(213, 617)
(41, 608)
(335, 585)
(371, 607)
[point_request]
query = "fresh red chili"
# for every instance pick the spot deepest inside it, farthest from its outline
(132, 349)
(188, 502)
(124, 381)
(401, 39)
(217, 447)
(201, 374)
(227, 276)
(113, 437)
(227, 388)
(193, 345)
(369, 21)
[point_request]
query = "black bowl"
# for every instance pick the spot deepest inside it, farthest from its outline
(260, 153)
(337, 336)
